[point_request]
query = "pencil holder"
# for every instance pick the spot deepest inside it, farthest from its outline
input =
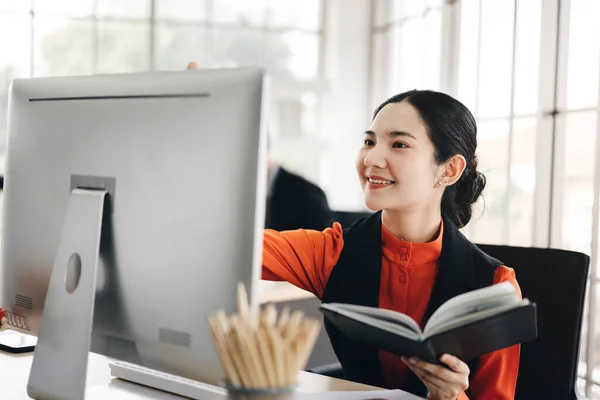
(262, 353)
(275, 393)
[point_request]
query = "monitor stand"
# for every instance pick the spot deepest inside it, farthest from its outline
(60, 361)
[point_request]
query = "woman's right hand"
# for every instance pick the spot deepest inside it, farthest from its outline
(441, 382)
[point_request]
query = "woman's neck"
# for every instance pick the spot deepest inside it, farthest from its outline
(415, 227)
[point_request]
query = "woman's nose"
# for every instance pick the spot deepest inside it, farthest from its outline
(376, 157)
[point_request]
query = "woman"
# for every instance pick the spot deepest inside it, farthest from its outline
(418, 166)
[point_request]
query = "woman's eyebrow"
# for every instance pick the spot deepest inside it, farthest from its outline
(393, 134)
(402, 133)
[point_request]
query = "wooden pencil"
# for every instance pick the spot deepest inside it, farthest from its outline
(262, 349)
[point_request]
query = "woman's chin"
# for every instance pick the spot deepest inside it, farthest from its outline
(374, 204)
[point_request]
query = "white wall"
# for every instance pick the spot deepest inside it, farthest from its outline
(345, 105)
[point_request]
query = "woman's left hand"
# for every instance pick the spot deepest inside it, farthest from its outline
(443, 383)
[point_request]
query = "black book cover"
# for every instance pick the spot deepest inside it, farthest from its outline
(517, 325)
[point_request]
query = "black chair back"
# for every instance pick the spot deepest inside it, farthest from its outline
(347, 218)
(556, 281)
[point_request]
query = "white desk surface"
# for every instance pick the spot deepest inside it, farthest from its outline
(277, 292)
(14, 368)
(14, 374)
(101, 385)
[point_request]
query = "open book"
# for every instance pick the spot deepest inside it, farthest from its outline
(467, 326)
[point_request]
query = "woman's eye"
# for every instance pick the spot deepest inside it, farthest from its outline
(369, 142)
(399, 145)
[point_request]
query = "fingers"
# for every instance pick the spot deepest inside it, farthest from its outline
(428, 379)
(192, 65)
(455, 363)
(440, 375)
(437, 388)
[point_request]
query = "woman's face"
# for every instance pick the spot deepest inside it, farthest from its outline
(396, 164)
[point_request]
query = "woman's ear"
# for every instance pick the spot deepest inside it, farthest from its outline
(452, 170)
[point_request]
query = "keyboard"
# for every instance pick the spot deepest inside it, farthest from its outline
(166, 382)
(16, 321)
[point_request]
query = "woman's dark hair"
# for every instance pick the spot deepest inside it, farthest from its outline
(453, 130)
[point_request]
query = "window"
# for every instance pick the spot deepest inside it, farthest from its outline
(498, 70)
(575, 167)
(527, 114)
(413, 31)
(75, 37)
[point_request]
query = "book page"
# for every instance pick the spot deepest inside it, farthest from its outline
(394, 328)
(486, 298)
(470, 318)
(378, 314)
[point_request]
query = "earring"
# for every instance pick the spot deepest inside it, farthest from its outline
(440, 183)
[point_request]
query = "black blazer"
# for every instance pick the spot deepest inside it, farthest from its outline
(296, 203)
(356, 279)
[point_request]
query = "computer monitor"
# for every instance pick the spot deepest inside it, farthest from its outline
(182, 158)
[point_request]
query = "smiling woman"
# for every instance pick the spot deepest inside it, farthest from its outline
(426, 140)
(418, 167)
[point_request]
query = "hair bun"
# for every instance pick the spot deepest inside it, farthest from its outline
(477, 186)
(462, 195)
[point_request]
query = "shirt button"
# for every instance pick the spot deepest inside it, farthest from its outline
(402, 279)
(403, 249)
(403, 257)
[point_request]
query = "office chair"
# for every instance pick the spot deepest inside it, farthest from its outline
(555, 280)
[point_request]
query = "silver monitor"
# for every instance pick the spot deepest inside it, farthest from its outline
(174, 169)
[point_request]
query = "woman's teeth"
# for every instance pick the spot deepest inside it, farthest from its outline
(380, 181)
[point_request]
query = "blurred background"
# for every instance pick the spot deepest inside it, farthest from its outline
(528, 70)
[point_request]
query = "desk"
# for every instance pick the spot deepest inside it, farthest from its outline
(280, 291)
(14, 368)
(14, 374)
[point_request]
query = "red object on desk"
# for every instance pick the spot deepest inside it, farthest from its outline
(2, 319)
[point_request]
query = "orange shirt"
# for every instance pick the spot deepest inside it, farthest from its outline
(306, 258)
